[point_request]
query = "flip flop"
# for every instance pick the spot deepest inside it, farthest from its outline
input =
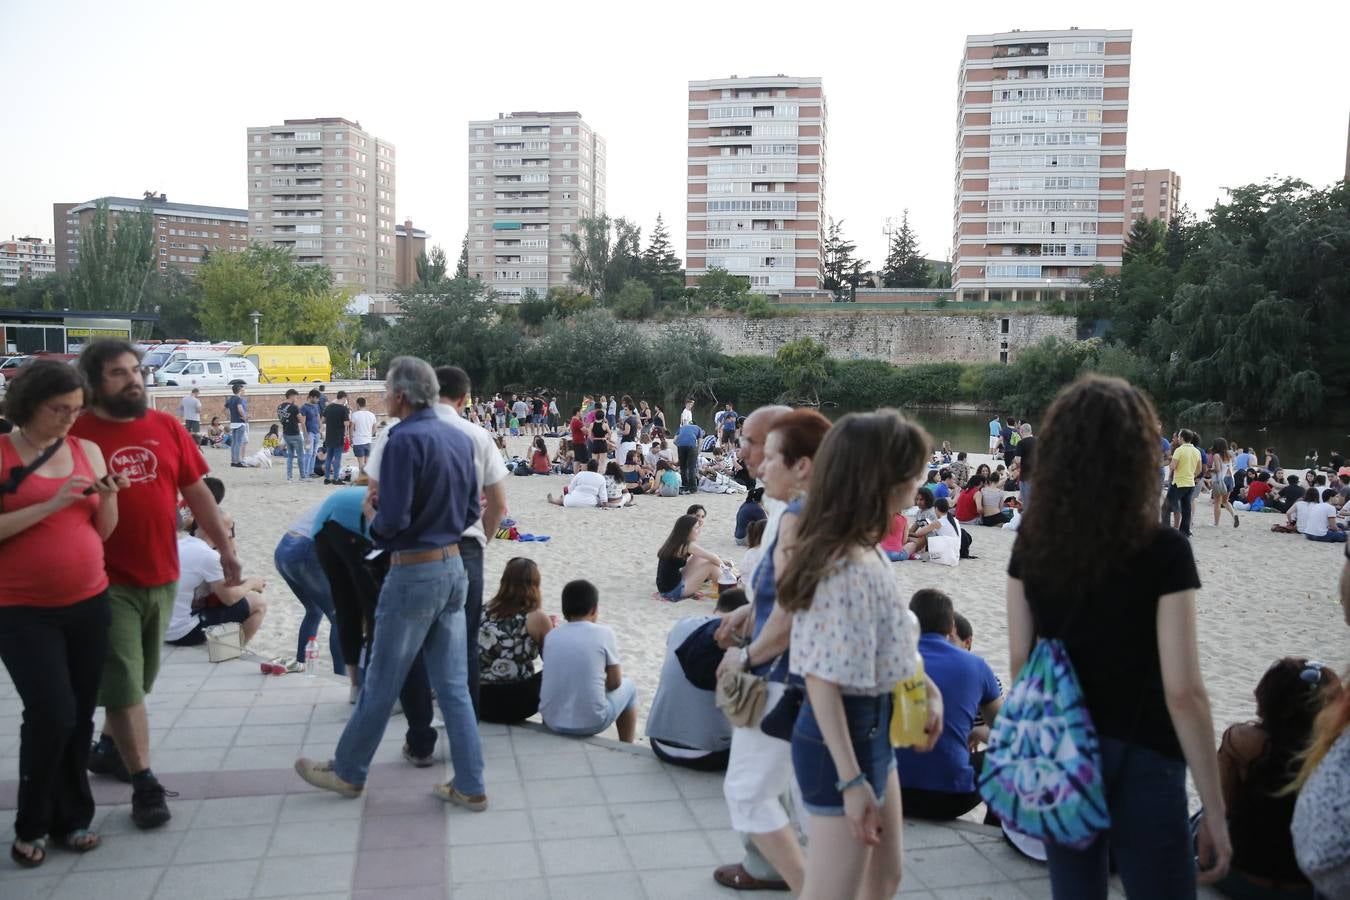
(273, 667)
(81, 840)
(34, 858)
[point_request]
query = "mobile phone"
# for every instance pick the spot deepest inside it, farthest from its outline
(106, 479)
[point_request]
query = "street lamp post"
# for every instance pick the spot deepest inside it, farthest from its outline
(256, 317)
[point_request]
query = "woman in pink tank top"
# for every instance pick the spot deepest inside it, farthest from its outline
(57, 505)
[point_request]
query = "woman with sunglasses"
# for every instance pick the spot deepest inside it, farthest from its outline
(57, 506)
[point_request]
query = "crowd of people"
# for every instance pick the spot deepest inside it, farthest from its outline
(795, 686)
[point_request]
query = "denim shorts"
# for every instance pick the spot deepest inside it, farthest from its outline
(674, 594)
(869, 720)
(616, 701)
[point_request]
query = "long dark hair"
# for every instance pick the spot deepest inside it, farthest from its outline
(1065, 535)
(519, 590)
(1288, 698)
(861, 462)
(677, 545)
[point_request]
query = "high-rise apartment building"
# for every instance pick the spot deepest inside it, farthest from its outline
(1153, 193)
(532, 177)
(1040, 162)
(183, 232)
(26, 258)
(756, 181)
(324, 189)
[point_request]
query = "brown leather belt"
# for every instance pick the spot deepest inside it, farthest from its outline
(413, 557)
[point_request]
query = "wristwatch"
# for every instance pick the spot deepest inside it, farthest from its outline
(856, 780)
(745, 657)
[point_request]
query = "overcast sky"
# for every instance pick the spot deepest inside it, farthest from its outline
(122, 97)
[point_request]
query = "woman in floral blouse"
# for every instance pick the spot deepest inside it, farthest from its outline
(510, 638)
(853, 639)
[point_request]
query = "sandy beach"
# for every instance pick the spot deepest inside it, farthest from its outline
(1265, 595)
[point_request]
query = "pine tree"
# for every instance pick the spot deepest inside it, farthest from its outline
(840, 264)
(462, 268)
(661, 268)
(905, 267)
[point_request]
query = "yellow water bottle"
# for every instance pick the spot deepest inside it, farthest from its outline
(909, 710)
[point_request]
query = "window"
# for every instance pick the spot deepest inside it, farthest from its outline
(1074, 70)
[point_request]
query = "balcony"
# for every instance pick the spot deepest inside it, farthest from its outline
(1017, 51)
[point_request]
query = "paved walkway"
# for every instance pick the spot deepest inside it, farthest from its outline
(569, 818)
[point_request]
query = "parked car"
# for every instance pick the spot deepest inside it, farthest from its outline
(211, 371)
(283, 364)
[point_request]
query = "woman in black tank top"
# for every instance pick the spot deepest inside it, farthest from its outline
(599, 436)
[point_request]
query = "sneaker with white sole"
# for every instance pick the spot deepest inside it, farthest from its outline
(321, 775)
(421, 762)
(450, 794)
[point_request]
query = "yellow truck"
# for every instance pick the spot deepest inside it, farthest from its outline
(288, 364)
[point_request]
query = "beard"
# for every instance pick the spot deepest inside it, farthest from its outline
(129, 403)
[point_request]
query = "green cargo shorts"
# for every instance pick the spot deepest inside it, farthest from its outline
(135, 642)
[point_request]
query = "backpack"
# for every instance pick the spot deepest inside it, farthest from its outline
(1042, 773)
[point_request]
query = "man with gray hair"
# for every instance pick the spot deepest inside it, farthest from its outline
(428, 495)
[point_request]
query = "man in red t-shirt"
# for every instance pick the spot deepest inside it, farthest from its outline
(160, 461)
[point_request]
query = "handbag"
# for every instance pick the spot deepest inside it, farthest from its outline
(741, 697)
(779, 721)
(909, 710)
(944, 549)
(224, 641)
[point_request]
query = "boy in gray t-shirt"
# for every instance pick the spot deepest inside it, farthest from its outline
(583, 690)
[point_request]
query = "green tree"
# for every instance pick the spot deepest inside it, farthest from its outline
(684, 361)
(431, 267)
(718, 288)
(1145, 241)
(462, 267)
(533, 309)
(905, 267)
(801, 364)
(661, 267)
(299, 304)
(568, 300)
(117, 261)
(454, 323)
(841, 263)
(633, 301)
(584, 350)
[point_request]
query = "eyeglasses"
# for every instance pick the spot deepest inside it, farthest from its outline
(65, 412)
(1312, 672)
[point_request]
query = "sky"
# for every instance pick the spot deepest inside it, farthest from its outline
(119, 98)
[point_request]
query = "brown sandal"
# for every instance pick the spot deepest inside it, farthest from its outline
(735, 877)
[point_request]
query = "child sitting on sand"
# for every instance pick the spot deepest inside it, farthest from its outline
(682, 565)
(583, 690)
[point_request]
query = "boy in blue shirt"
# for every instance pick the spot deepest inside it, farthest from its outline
(940, 784)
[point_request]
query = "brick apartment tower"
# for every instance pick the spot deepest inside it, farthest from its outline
(1040, 162)
(756, 182)
(1153, 194)
(184, 232)
(324, 189)
(532, 176)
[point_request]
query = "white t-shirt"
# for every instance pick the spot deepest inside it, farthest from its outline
(588, 486)
(1312, 517)
(486, 458)
(573, 691)
(190, 409)
(945, 527)
(686, 416)
(198, 566)
(363, 426)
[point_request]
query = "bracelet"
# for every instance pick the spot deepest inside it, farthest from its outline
(853, 782)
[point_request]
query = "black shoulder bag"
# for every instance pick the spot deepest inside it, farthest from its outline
(19, 473)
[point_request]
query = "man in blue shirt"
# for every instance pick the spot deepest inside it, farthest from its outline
(238, 409)
(995, 433)
(940, 784)
(728, 425)
(428, 495)
(686, 445)
(311, 414)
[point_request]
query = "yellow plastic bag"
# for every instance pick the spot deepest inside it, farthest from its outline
(909, 710)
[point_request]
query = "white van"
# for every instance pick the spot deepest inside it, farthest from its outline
(211, 371)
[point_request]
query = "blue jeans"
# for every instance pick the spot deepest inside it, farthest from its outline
(869, 720)
(1331, 537)
(1179, 500)
(1149, 836)
(297, 563)
(238, 438)
(420, 610)
(295, 452)
(311, 448)
(332, 467)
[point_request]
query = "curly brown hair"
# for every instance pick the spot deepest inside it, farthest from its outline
(863, 460)
(1100, 431)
